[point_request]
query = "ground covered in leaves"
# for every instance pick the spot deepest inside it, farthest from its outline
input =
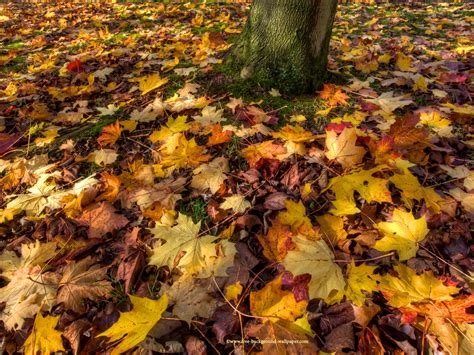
(152, 201)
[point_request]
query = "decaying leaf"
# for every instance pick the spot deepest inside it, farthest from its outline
(82, 280)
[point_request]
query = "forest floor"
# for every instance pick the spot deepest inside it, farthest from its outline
(153, 201)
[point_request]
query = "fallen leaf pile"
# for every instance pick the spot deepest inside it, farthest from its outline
(151, 200)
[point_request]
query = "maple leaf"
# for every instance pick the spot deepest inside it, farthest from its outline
(33, 254)
(82, 280)
(173, 126)
(101, 219)
(272, 302)
(408, 287)
(110, 134)
(112, 187)
(315, 258)
(150, 113)
(151, 82)
(28, 291)
(405, 134)
(360, 278)
(49, 137)
(233, 291)
(277, 242)
(404, 63)
(184, 154)
(466, 199)
(282, 338)
(295, 134)
(210, 176)
(370, 188)
(218, 264)
(332, 227)
(402, 234)
(334, 95)
(455, 310)
(219, 136)
(209, 116)
(389, 103)
(411, 189)
(190, 297)
(75, 66)
(103, 156)
(182, 238)
(342, 147)
(295, 217)
(44, 337)
(264, 150)
(133, 327)
(236, 203)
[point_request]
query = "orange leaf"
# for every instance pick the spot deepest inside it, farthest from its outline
(277, 242)
(110, 134)
(219, 136)
(112, 187)
(334, 95)
(455, 310)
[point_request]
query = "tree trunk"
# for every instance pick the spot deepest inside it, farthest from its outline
(285, 43)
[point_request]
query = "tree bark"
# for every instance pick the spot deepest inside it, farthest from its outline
(285, 43)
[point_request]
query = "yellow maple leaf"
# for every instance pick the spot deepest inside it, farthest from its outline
(183, 247)
(151, 82)
(332, 227)
(49, 137)
(402, 234)
(173, 126)
(295, 218)
(133, 327)
(360, 278)
(421, 84)
(210, 176)
(169, 64)
(236, 203)
(370, 188)
(276, 304)
(182, 153)
(404, 63)
(232, 292)
(315, 258)
(44, 338)
(411, 189)
(342, 147)
(434, 119)
(408, 287)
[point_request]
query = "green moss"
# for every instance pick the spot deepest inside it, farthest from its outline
(17, 64)
(14, 45)
(194, 207)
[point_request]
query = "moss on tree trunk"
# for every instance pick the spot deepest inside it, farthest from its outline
(285, 43)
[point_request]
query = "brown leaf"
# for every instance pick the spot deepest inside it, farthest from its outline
(405, 133)
(82, 280)
(280, 339)
(74, 331)
(195, 346)
(101, 219)
(132, 260)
